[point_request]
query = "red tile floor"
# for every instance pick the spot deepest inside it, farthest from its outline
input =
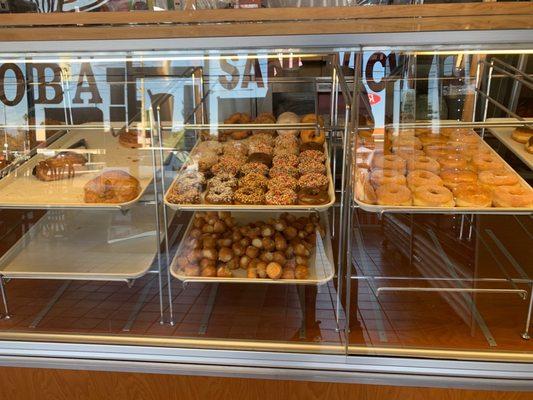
(274, 313)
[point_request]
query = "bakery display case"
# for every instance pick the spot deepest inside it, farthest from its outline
(272, 200)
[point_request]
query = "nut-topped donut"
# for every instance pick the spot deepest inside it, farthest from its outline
(279, 197)
(254, 180)
(249, 195)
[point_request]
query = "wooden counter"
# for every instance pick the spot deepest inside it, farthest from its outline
(287, 21)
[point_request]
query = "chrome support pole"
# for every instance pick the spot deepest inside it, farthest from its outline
(165, 217)
(4, 298)
(525, 335)
(486, 105)
(158, 220)
(352, 133)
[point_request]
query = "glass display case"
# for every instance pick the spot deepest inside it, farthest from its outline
(274, 203)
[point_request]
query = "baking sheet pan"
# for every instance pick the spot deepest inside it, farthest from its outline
(450, 210)
(320, 263)
(257, 207)
(91, 245)
(20, 189)
(503, 134)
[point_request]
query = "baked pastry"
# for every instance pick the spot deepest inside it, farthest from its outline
(433, 196)
(472, 195)
(278, 197)
(380, 177)
(316, 135)
(313, 181)
(312, 146)
(60, 166)
(288, 118)
(394, 195)
(130, 138)
(237, 119)
(513, 196)
(522, 134)
(529, 145)
(114, 186)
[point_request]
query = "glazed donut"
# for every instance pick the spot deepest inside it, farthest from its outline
(238, 118)
(288, 118)
(380, 177)
(432, 140)
(317, 135)
(393, 194)
(433, 196)
(522, 134)
(498, 178)
(451, 178)
(448, 132)
(249, 195)
(468, 150)
(389, 162)
(463, 136)
(472, 195)
(406, 153)
(410, 142)
(512, 196)
(423, 162)
(453, 161)
(279, 197)
(437, 150)
(487, 162)
(422, 178)
(529, 145)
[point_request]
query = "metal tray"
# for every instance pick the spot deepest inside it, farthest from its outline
(20, 189)
(257, 207)
(503, 134)
(92, 245)
(320, 267)
(450, 210)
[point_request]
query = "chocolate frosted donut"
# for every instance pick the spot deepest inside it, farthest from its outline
(255, 167)
(281, 160)
(312, 155)
(313, 181)
(224, 179)
(307, 166)
(312, 146)
(254, 180)
(283, 170)
(219, 194)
